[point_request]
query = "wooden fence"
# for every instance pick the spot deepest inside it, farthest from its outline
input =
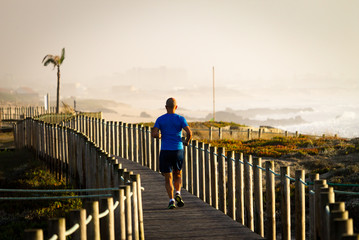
(71, 155)
(235, 184)
(231, 182)
(20, 113)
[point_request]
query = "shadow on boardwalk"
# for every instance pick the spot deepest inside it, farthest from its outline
(196, 220)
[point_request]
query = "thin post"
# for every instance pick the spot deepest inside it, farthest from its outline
(258, 197)
(121, 230)
(248, 179)
(285, 203)
(33, 234)
(190, 167)
(201, 168)
(195, 168)
(148, 147)
(57, 226)
(222, 194)
(107, 222)
(120, 140)
(78, 216)
(130, 142)
(299, 205)
(214, 174)
(343, 227)
(239, 186)
(312, 217)
(231, 185)
(270, 202)
(128, 213)
(185, 168)
(326, 197)
(93, 228)
(136, 234)
(207, 177)
(318, 184)
(140, 209)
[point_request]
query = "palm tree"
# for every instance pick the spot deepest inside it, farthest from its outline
(56, 61)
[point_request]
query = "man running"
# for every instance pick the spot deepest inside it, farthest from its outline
(172, 154)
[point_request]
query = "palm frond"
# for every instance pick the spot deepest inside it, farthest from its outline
(62, 56)
(47, 56)
(50, 60)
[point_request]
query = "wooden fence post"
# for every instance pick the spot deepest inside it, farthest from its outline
(120, 140)
(185, 168)
(285, 203)
(135, 143)
(258, 197)
(33, 234)
(78, 216)
(128, 213)
(336, 210)
(222, 189)
(190, 167)
(57, 226)
(343, 226)
(148, 147)
(93, 228)
(130, 142)
(270, 202)
(239, 185)
(318, 184)
(121, 217)
(248, 178)
(116, 138)
(326, 197)
(231, 185)
(140, 210)
(214, 174)
(220, 133)
(299, 205)
(107, 222)
(201, 170)
(207, 172)
(312, 217)
(140, 144)
(195, 168)
(134, 189)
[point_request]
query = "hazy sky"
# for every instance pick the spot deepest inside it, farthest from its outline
(254, 44)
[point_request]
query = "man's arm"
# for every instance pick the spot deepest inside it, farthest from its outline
(188, 135)
(155, 133)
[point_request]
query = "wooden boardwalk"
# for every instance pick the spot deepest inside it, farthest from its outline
(196, 220)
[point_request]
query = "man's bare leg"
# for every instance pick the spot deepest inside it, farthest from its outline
(169, 184)
(177, 176)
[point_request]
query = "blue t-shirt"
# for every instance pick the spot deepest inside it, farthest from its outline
(171, 128)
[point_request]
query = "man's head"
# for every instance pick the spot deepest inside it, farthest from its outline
(171, 105)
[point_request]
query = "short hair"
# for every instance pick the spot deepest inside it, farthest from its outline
(171, 103)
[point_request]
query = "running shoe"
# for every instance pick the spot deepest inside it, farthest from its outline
(179, 200)
(171, 205)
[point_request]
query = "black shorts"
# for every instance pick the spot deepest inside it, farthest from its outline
(171, 159)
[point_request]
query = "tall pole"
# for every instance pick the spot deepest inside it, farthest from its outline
(214, 110)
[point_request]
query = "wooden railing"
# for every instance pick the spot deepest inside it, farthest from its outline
(228, 181)
(233, 183)
(20, 113)
(72, 156)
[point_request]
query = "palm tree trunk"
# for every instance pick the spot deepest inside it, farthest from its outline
(58, 90)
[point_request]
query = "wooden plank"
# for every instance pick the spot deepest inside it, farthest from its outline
(196, 220)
